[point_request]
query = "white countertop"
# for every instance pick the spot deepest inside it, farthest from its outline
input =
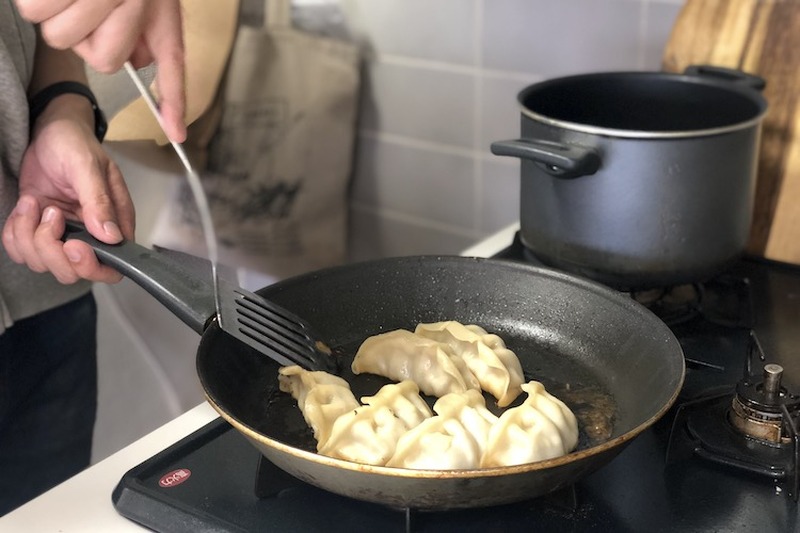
(83, 504)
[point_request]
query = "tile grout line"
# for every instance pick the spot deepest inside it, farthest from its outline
(413, 220)
(477, 167)
(429, 146)
(642, 37)
(453, 68)
(420, 144)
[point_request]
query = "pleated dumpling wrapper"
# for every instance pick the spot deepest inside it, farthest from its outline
(400, 355)
(496, 368)
(369, 433)
(540, 428)
(453, 439)
(470, 409)
(321, 397)
(439, 443)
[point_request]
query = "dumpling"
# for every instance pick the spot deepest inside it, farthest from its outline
(297, 381)
(404, 401)
(496, 368)
(454, 439)
(400, 355)
(321, 397)
(542, 427)
(369, 434)
(439, 443)
(365, 435)
(469, 409)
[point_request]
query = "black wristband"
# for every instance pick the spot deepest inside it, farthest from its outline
(46, 95)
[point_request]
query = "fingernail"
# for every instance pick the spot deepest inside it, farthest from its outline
(49, 215)
(112, 230)
(73, 255)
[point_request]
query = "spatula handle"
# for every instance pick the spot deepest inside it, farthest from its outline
(181, 282)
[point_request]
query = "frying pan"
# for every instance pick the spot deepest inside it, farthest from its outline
(610, 359)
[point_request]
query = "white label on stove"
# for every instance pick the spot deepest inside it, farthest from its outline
(174, 478)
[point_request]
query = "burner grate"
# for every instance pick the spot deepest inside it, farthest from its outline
(724, 301)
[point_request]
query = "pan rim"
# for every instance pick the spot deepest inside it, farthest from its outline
(614, 443)
(688, 80)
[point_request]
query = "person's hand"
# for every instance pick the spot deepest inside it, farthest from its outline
(66, 172)
(106, 33)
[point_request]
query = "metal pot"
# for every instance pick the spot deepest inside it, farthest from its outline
(639, 179)
(601, 352)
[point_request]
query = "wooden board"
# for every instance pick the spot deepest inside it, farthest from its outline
(761, 37)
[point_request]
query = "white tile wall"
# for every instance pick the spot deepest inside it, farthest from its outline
(438, 30)
(386, 234)
(420, 101)
(498, 194)
(560, 37)
(397, 175)
(441, 79)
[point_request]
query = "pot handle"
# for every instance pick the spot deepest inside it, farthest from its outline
(560, 160)
(181, 282)
(727, 74)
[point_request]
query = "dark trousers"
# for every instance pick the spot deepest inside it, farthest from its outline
(48, 399)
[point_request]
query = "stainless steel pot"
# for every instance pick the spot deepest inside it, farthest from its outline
(639, 179)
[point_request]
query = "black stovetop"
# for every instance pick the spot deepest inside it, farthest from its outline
(640, 490)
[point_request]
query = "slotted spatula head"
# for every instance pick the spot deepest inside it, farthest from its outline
(267, 327)
(271, 329)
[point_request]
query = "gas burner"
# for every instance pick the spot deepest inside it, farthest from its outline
(762, 410)
(753, 429)
(724, 300)
(673, 305)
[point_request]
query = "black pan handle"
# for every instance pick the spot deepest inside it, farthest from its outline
(560, 160)
(727, 74)
(181, 282)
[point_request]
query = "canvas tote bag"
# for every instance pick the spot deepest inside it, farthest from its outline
(277, 167)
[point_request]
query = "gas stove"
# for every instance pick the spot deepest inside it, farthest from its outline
(725, 458)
